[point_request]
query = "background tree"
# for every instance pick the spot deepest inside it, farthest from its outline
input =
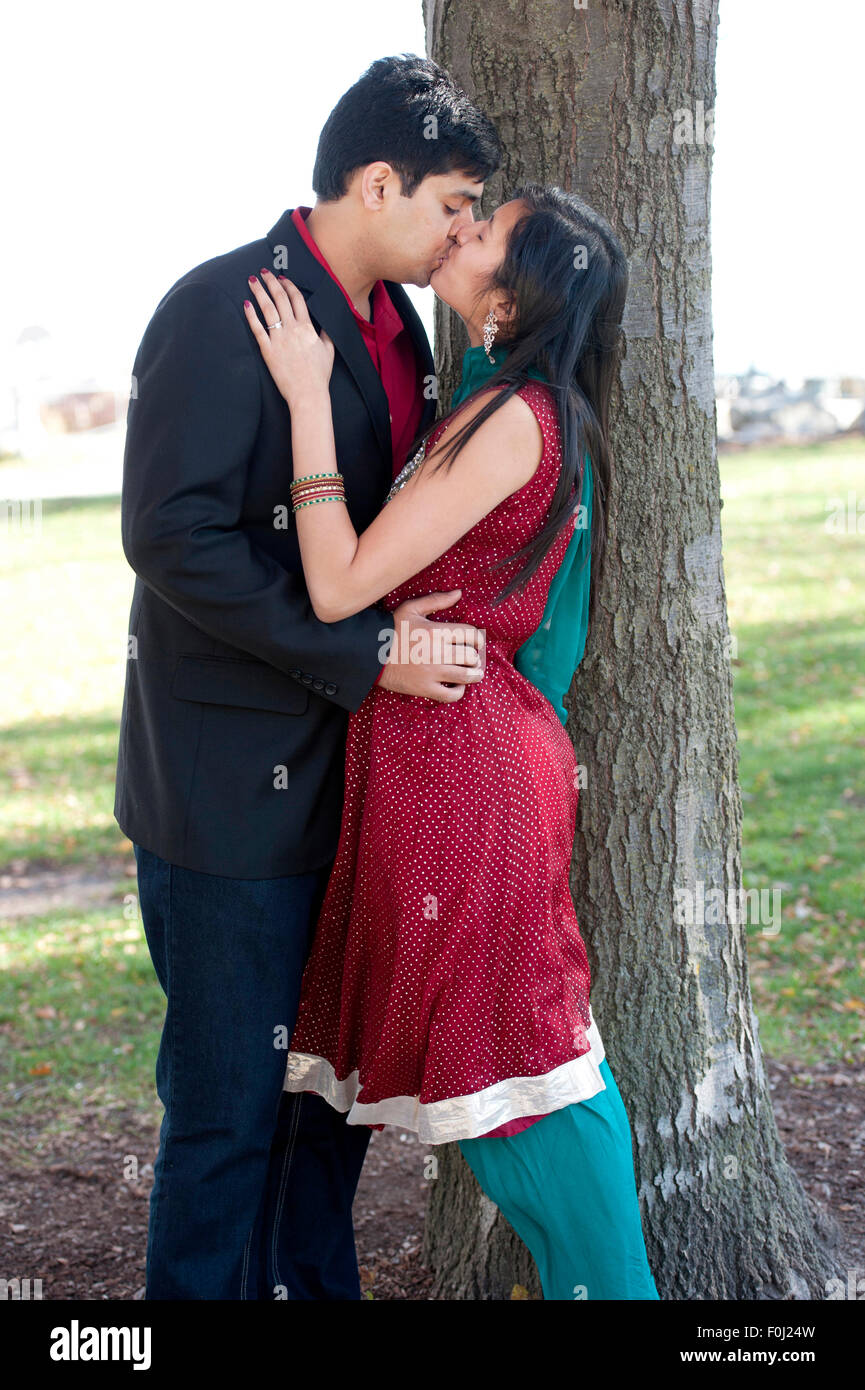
(614, 100)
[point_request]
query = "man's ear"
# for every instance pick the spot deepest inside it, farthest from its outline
(372, 184)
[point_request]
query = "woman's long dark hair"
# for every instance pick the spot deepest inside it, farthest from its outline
(569, 277)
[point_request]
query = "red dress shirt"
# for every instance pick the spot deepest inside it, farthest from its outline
(393, 355)
(392, 352)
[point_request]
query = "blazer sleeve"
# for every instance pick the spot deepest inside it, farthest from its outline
(191, 429)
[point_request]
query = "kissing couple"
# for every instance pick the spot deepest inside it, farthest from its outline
(353, 866)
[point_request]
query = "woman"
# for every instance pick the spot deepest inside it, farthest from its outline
(447, 989)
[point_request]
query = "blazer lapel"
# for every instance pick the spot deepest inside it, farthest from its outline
(328, 308)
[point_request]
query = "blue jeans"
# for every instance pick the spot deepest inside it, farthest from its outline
(253, 1185)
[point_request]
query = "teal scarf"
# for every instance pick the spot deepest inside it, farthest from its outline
(552, 654)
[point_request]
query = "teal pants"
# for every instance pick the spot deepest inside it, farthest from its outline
(566, 1185)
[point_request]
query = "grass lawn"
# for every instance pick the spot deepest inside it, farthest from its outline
(82, 1012)
(80, 1009)
(794, 594)
(65, 594)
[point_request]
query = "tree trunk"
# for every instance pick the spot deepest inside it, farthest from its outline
(615, 101)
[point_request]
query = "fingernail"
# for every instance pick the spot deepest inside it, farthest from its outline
(252, 279)
(264, 270)
(247, 303)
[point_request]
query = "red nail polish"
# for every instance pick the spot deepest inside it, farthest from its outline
(247, 303)
(252, 279)
(264, 270)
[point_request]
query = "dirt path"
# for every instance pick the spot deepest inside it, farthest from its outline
(29, 889)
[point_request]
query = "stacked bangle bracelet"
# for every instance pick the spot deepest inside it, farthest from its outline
(317, 487)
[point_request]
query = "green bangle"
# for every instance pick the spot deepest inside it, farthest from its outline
(334, 497)
(313, 477)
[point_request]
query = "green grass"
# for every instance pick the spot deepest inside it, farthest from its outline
(65, 596)
(80, 1012)
(794, 591)
(80, 1008)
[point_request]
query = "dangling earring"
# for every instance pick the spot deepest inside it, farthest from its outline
(491, 328)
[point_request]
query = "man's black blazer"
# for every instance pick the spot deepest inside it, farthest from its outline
(235, 712)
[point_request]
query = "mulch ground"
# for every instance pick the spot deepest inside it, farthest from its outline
(69, 1216)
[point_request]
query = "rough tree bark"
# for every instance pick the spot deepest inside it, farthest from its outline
(614, 100)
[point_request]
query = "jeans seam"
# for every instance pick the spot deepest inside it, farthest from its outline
(283, 1182)
(172, 1070)
(245, 1266)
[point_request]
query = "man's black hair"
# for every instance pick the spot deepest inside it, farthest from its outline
(410, 113)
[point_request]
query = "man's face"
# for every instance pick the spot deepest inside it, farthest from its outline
(418, 231)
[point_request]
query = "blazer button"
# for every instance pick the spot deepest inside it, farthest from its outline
(307, 679)
(318, 685)
(294, 673)
(330, 688)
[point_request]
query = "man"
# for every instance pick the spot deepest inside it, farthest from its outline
(231, 756)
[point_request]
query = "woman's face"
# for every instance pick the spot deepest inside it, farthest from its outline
(477, 250)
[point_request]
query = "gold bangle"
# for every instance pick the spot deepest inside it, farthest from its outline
(335, 480)
(312, 488)
(304, 493)
(313, 477)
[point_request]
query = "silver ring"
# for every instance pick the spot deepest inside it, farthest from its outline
(278, 324)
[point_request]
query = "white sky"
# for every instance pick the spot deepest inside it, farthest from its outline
(142, 139)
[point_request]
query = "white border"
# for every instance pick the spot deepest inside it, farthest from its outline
(460, 1117)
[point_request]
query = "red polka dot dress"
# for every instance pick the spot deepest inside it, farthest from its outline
(447, 989)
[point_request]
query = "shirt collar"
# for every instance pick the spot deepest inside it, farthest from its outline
(386, 322)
